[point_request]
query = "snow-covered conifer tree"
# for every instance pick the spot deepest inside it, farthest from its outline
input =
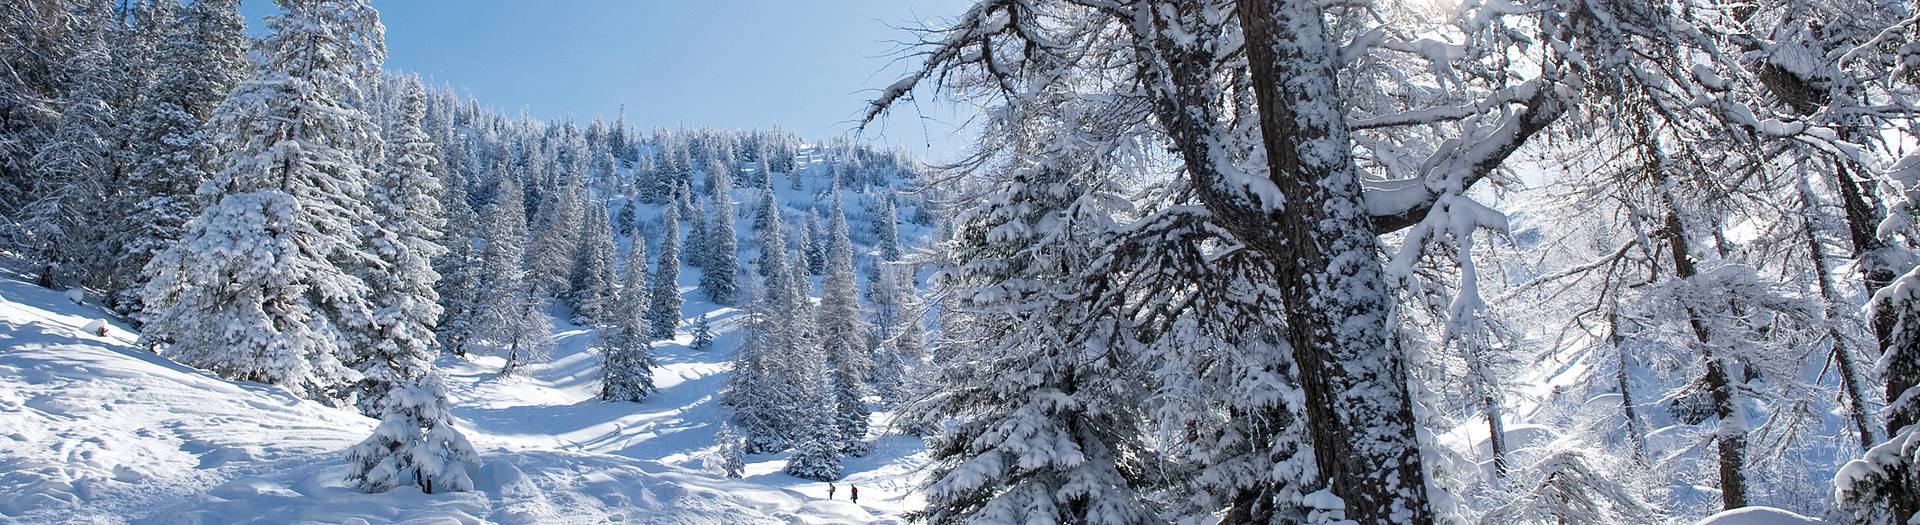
(459, 269)
(728, 456)
(290, 191)
(702, 333)
(813, 244)
(550, 255)
(840, 334)
(694, 253)
(591, 288)
(885, 225)
(721, 267)
(402, 239)
(757, 401)
(511, 318)
(896, 323)
(173, 148)
(817, 454)
(69, 170)
(415, 443)
(663, 308)
(625, 346)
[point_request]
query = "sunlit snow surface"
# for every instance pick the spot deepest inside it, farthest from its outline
(96, 430)
(1759, 516)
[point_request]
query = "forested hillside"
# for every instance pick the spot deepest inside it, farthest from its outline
(1205, 261)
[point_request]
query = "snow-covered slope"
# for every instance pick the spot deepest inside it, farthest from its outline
(96, 430)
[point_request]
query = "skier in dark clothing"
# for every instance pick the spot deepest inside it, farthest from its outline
(855, 493)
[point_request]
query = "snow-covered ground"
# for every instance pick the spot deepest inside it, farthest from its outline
(96, 430)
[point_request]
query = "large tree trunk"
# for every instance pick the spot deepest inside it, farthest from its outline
(1359, 414)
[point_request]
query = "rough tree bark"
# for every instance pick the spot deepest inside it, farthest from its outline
(1359, 413)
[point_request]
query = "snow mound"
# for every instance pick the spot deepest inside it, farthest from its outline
(1759, 516)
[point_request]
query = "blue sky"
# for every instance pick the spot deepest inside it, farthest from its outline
(807, 66)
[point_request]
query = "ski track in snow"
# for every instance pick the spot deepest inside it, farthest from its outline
(94, 429)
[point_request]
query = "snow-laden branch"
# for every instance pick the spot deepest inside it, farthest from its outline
(1459, 164)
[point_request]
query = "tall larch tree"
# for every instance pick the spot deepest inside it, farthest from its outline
(1264, 105)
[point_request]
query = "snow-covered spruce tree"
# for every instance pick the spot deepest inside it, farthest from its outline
(795, 181)
(38, 70)
(663, 306)
(720, 269)
(816, 455)
(779, 389)
(813, 244)
(550, 255)
(775, 393)
(683, 201)
(805, 237)
(591, 288)
(728, 456)
(767, 212)
(459, 269)
(840, 335)
(694, 253)
(648, 186)
(1042, 426)
(69, 169)
(762, 170)
(402, 238)
(511, 317)
(885, 224)
(750, 392)
(256, 288)
(625, 345)
(626, 221)
(702, 332)
(606, 178)
(896, 324)
(173, 149)
(414, 443)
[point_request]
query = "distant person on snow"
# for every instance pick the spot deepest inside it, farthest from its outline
(830, 488)
(854, 492)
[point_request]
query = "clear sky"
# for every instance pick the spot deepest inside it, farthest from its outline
(807, 66)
